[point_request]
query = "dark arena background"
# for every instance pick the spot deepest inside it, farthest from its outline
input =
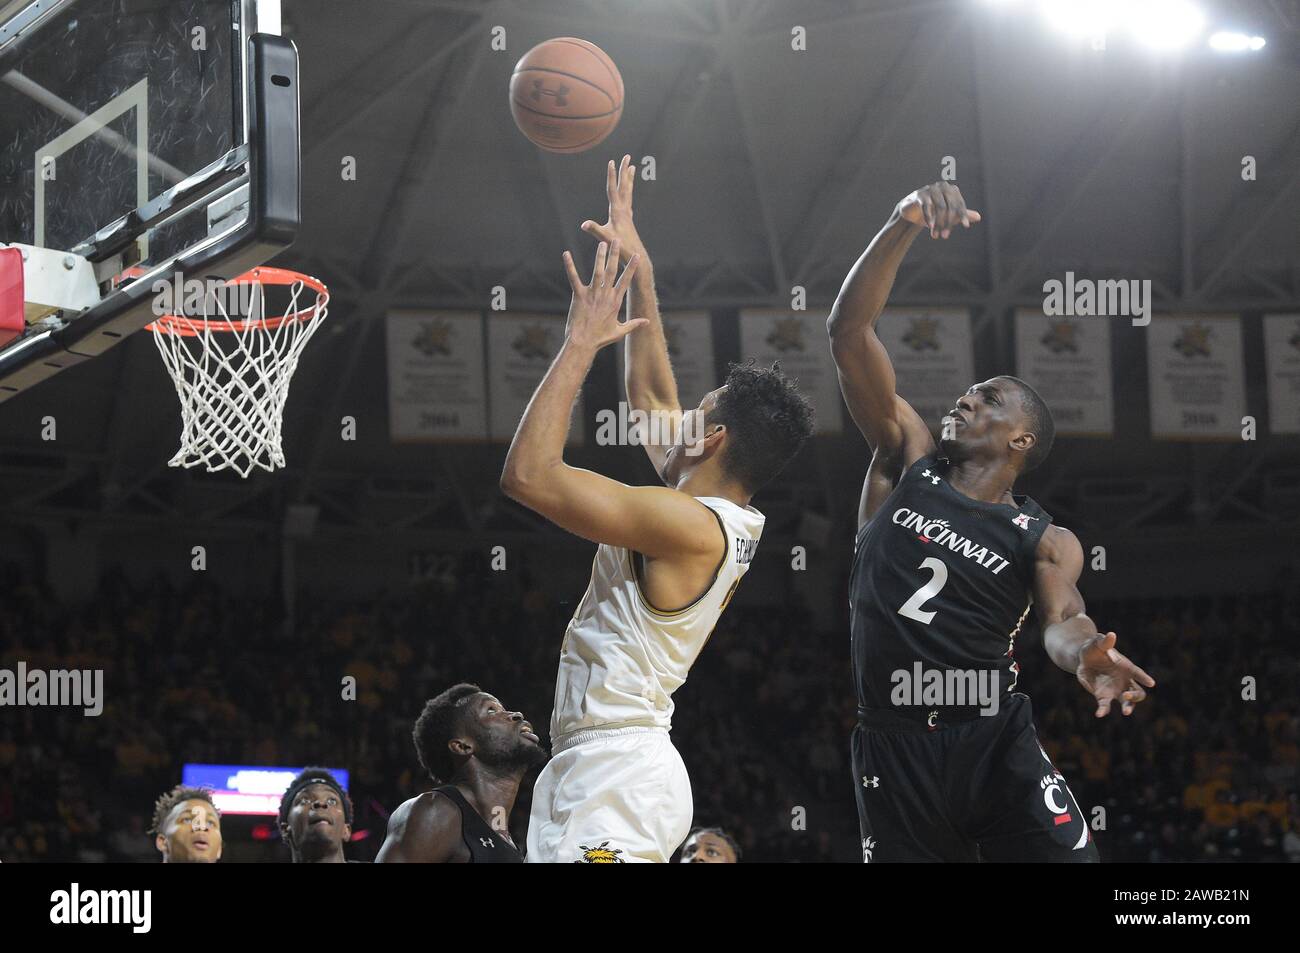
(303, 617)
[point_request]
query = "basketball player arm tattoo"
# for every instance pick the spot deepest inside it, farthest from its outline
(894, 431)
(1071, 638)
(654, 520)
(427, 832)
(648, 373)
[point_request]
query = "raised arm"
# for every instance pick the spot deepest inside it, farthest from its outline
(1071, 638)
(894, 431)
(648, 373)
(655, 521)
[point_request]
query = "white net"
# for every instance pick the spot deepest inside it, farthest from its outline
(232, 372)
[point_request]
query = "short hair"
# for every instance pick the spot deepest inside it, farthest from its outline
(436, 726)
(177, 795)
(717, 832)
(767, 420)
(307, 777)
(1040, 423)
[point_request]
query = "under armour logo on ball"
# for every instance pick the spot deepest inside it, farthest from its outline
(561, 93)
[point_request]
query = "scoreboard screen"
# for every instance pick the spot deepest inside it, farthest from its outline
(245, 788)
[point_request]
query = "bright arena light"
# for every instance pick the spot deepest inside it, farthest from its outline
(1226, 41)
(1160, 24)
(1090, 19)
(1165, 24)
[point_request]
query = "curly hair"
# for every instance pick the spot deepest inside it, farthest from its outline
(177, 795)
(767, 420)
(436, 726)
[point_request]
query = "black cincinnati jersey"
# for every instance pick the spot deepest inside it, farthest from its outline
(486, 846)
(940, 582)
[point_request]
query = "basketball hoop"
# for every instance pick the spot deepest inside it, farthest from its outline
(232, 373)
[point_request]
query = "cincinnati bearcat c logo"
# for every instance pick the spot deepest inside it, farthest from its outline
(603, 854)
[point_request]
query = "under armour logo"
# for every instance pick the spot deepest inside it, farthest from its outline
(1023, 520)
(487, 842)
(561, 93)
(934, 477)
(870, 782)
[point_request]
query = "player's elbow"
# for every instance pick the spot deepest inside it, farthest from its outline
(834, 326)
(525, 485)
(846, 343)
(514, 484)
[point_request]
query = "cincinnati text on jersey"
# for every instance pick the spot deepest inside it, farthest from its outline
(938, 531)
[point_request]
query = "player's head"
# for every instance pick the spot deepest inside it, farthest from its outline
(710, 845)
(749, 428)
(315, 817)
(465, 725)
(187, 826)
(1001, 419)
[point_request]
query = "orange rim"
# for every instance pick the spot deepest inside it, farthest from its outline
(192, 327)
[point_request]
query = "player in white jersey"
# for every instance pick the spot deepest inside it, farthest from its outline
(669, 558)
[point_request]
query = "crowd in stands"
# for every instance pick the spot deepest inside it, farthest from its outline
(1205, 770)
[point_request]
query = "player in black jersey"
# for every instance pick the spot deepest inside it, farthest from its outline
(947, 563)
(315, 818)
(483, 750)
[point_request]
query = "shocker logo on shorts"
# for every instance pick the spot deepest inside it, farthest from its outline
(604, 854)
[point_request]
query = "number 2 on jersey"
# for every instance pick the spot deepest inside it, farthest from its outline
(912, 607)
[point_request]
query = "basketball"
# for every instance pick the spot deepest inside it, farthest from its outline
(566, 95)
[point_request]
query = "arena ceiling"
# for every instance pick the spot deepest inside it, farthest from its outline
(773, 169)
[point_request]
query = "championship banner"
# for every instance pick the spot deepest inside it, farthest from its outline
(1195, 374)
(521, 347)
(932, 355)
(1282, 358)
(1067, 360)
(690, 349)
(436, 389)
(798, 340)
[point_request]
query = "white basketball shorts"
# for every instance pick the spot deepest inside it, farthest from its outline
(611, 796)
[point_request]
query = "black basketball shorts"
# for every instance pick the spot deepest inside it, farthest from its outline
(981, 789)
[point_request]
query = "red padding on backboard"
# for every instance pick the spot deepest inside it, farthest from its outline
(11, 295)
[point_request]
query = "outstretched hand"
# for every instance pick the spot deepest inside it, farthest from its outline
(593, 312)
(939, 207)
(1109, 676)
(618, 227)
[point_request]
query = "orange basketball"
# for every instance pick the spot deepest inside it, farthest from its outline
(566, 95)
